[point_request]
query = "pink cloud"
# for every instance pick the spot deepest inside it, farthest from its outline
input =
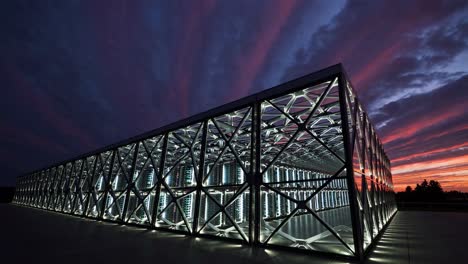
(252, 61)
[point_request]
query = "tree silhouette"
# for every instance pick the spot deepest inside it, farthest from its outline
(430, 193)
(408, 189)
(429, 187)
(434, 187)
(425, 191)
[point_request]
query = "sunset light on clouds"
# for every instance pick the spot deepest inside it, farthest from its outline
(99, 73)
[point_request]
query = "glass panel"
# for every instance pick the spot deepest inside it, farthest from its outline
(181, 168)
(144, 180)
(36, 189)
(99, 182)
(304, 195)
(53, 188)
(121, 173)
(83, 185)
(224, 202)
(44, 190)
(61, 183)
(72, 186)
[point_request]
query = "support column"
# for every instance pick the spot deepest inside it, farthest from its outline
(199, 179)
(130, 183)
(255, 169)
(358, 243)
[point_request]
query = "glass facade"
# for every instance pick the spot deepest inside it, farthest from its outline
(296, 166)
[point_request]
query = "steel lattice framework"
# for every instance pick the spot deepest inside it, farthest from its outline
(296, 166)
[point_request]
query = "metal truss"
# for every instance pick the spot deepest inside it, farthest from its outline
(298, 166)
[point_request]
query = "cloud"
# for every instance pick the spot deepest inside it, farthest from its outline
(252, 61)
(403, 67)
(82, 75)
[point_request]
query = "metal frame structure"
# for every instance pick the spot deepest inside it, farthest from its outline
(298, 166)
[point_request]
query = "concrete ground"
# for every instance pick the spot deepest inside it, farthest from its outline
(424, 237)
(29, 235)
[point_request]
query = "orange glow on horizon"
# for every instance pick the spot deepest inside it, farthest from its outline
(452, 173)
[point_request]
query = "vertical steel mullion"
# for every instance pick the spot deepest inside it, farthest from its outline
(250, 177)
(47, 189)
(63, 181)
(371, 172)
(358, 243)
(130, 183)
(34, 189)
(77, 185)
(21, 190)
(160, 177)
(375, 178)
(28, 189)
(72, 184)
(256, 173)
(31, 190)
(67, 183)
(365, 200)
(201, 172)
(38, 191)
(25, 189)
(44, 187)
(41, 188)
(28, 201)
(21, 194)
(59, 184)
(91, 188)
(52, 184)
(108, 183)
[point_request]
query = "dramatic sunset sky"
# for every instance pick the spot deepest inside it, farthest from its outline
(78, 75)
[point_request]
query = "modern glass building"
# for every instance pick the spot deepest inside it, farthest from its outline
(297, 166)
